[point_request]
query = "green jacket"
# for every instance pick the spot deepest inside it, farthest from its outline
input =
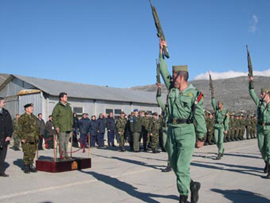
(62, 117)
(180, 103)
(221, 116)
(121, 125)
(28, 128)
(155, 126)
(135, 124)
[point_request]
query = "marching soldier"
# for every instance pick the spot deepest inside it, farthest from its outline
(121, 126)
(29, 134)
(221, 126)
(16, 145)
(263, 124)
(186, 120)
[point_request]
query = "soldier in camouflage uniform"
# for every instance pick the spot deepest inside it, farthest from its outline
(29, 134)
(145, 123)
(243, 126)
(230, 132)
(209, 119)
(249, 127)
(16, 145)
(254, 123)
(121, 126)
(154, 129)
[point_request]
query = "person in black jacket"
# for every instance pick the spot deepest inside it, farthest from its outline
(50, 132)
(75, 130)
(41, 128)
(84, 125)
(111, 129)
(6, 130)
(101, 130)
(93, 131)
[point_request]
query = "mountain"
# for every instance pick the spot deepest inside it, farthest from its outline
(233, 92)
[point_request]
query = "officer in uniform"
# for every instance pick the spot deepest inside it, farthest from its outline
(16, 145)
(136, 129)
(145, 131)
(221, 125)
(154, 129)
(186, 120)
(29, 134)
(263, 124)
(121, 126)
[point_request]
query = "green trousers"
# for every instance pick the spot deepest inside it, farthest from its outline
(180, 146)
(136, 142)
(263, 137)
(219, 139)
(164, 141)
(121, 140)
(29, 152)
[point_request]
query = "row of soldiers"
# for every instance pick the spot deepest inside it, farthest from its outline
(238, 125)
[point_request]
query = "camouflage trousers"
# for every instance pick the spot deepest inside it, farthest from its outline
(29, 152)
(121, 140)
(16, 139)
(155, 141)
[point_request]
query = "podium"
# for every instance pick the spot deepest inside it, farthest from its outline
(56, 165)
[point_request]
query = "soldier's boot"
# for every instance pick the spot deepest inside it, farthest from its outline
(26, 168)
(218, 156)
(268, 175)
(32, 168)
(222, 154)
(183, 199)
(167, 169)
(266, 167)
(194, 190)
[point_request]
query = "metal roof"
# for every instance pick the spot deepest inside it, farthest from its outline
(78, 90)
(3, 78)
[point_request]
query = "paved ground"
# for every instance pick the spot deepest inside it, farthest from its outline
(136, 177)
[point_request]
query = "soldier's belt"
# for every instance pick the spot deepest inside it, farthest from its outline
(180, 121)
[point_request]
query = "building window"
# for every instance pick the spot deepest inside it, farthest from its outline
(108, 111)
(78, 110)
(117, 111)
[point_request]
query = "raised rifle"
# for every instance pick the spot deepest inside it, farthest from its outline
(250, 68)
(160, 33)
(211, 86)
(158, 78)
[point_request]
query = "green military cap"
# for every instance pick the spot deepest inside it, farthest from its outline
(262, 90)
(154, 114)
(267, 90)
(28, 105)
(180, 68)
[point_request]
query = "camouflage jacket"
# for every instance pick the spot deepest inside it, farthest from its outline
(15, 126)
(155, 126)
(121, 125)
(28, 128)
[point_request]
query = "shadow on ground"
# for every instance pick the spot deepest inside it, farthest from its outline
(237, 196)
(129, 189)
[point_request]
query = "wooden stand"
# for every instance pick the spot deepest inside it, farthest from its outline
(55, 165)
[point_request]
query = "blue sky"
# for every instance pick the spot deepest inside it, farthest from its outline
(114, 43)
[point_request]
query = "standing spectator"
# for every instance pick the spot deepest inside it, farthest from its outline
(50, 132)
(16, 145)
(154, 129)
(84, 125)
(121, 126)
(29, 134)
(6, 131)
(105, 123)
(136, 129)
(100, 130)
(63, 122)
(75, 130)
(41, 128)
(129, 133)
(93, 131)
(111, 129)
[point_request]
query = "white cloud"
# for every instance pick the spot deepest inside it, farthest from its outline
(255, 21)
(230, 74)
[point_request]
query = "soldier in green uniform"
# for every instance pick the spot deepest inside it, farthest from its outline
(154, 129)
(121, 126)
(16, 145)
(263, 123)
(254, 123)
(29, 133)
(230, 131)
(145, 124)
(136, 129)
(186, 120)
(221, 125)
(242, 128)
(210, 128)
(165, 117)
